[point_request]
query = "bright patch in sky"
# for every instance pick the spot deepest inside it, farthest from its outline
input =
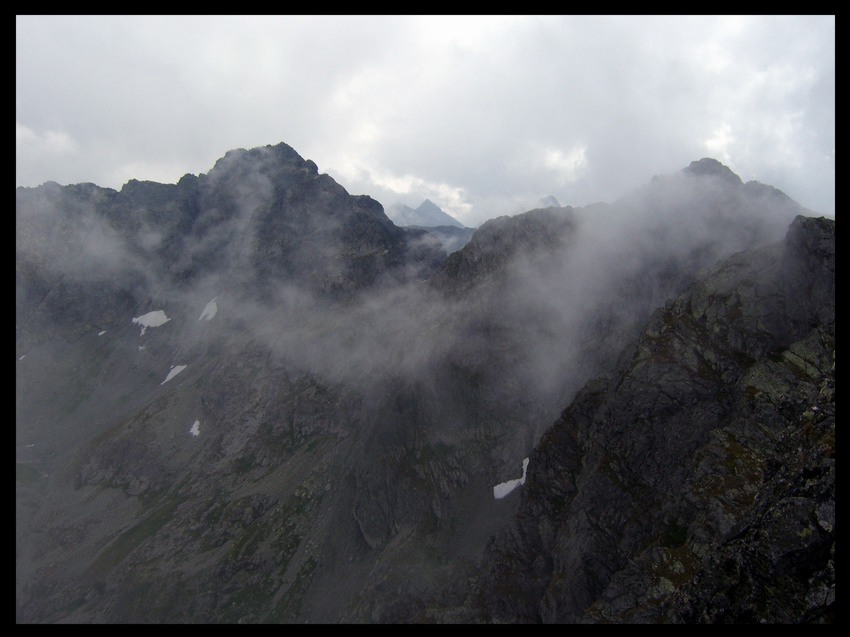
(504, 488)
(195, 430)
(34, 143)
(450, 198)
(210, 310)
(151, 319)
(720, 141)
(174, 371)
(567, 165)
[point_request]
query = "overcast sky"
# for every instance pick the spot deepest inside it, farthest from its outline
(484, 115)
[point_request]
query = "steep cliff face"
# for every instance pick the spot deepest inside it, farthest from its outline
(696, 481)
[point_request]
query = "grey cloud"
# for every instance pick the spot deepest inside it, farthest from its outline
(455, 102)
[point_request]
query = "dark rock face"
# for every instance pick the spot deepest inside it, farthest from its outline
(697, 482)
(259, 217)
(354, 412)
(711, 167)
(495, 244)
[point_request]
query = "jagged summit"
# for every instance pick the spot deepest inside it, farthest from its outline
(711, 167)
(281, 153)
(259, 217)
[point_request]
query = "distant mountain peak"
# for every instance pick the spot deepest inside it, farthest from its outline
(427, 215)
(428, 206)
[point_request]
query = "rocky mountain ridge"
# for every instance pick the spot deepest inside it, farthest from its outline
(696, 482)
(327, 449)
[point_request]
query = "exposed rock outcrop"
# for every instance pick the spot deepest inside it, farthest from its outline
(696, 482)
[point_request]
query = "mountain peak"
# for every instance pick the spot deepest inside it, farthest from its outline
(711, 167)
(427, 215)
(429, 206)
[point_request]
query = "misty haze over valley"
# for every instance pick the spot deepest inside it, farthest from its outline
(251, 397)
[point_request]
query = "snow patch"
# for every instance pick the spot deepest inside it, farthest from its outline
(22, 357)
(101, 333)
(210, 310)
(174, 371)
(504, 488)
(196, 430)
(151, 319)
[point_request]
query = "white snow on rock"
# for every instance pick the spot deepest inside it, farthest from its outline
(196, 428)
(101, 333)
(210, 310)
(151, 319)
(22, 357)
(174, 371)
(504, 488)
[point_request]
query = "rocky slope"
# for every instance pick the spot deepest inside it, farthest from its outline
(328, 447)
(696, 482)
